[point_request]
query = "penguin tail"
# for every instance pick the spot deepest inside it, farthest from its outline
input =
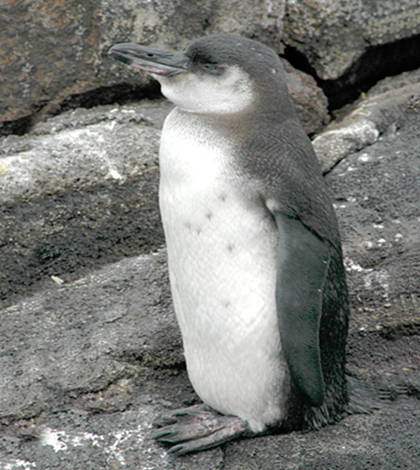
(363, 398)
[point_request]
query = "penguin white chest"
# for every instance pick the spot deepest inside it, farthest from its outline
(222, 250)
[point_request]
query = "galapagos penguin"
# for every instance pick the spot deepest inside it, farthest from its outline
(254, 252)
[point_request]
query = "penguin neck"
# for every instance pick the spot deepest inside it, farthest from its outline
(264, 113)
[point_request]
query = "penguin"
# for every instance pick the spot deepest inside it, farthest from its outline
(254, 252)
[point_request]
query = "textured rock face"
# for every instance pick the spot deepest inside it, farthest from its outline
(50, 52)
(55, 51)
(79, 348)
(386, 105)
(334, 34)
(65, 185)
(310, 102)
(380, 220)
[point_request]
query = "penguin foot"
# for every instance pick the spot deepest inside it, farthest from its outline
(197, 428)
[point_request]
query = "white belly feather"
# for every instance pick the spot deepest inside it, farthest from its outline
(222, 251)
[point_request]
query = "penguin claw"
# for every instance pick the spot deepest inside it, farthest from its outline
(172, 417)
(197, 428)
(163, 420)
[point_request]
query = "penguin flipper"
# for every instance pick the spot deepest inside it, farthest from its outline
(302, 268)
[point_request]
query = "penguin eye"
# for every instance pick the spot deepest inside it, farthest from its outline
(213, 68)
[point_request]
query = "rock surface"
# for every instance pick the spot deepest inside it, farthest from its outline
(57, 50)
(89, 353)
(333, 35)
(79, 188)
(386, 106)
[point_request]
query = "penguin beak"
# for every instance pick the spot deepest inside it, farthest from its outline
(152, 60)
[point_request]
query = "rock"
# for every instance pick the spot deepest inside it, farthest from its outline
(51, 52)
(334, 35)
(377, 195)
(67, 61)
(56, 350)
(387, 105)
(57, 51)
(79, 188)
(74, 155)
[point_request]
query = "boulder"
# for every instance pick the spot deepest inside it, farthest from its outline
(334, 35)
(57, 51)
(78, 189)
(386, 106)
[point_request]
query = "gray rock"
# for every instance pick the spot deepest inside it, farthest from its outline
(333, 35)
(57, 53)
(58, 50)
(387, 105)
(81, 148)
(56, 348)
(68, 54)
(310, 102)
(79, 188)
(377, 192)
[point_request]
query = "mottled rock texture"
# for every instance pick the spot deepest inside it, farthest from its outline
(55, 51)
(334, 34)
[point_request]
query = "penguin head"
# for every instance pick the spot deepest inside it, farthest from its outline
(215, 74)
